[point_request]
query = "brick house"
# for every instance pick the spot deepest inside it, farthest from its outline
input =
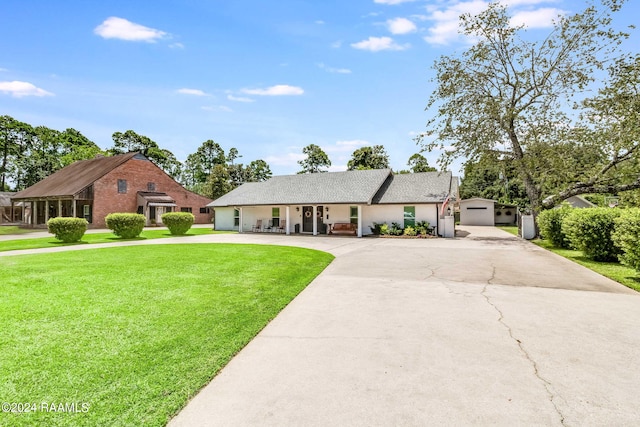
(92, 189)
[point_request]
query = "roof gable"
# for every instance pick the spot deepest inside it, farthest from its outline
(423, 187)
(75, 177)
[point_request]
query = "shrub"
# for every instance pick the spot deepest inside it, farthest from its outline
(626, 237)
(410, 231)
(550, 224)
(68, 230)
(376, 228)
(384, 230)
(396, 229)
(589, 230)
(178, 223)
(422, 228)
(126, 225)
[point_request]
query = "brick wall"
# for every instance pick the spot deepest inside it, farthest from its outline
(138, 173)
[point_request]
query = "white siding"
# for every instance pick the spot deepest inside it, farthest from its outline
(477, 212)
(395, 213)
(224, 219)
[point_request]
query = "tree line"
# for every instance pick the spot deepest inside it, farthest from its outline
(30, 154)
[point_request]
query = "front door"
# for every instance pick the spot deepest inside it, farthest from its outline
(307, 219)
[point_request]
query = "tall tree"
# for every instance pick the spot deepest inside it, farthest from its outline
(200, 164)
(15, 138)
(369, 158)
(316, 161)
(507, 94)
(131, 141)
(76, 146)
(217, 184)
(419, 163)
(258, 171)
(492, 178)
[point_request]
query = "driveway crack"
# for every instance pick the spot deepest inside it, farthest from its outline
(546, 383)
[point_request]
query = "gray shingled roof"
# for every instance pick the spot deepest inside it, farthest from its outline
(73, 178)
(425, 187)
(351, 187)
(378, 186)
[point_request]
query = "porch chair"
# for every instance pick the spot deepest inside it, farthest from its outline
(257, 227)
(283, 226)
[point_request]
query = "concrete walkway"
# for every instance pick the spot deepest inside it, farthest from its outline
(482, 329)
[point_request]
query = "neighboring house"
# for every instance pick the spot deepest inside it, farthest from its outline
(92, 189)
(314, 203)
(579, 202)
(8, 213)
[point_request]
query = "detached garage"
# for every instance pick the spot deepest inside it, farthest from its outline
(477, 211)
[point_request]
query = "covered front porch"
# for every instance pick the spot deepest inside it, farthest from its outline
(299, 219)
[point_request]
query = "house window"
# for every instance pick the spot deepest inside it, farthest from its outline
(204, 210)
(353, 214)
(409, 216)
(186, 210)
(151, 186)
(275, 217)
(122, 186)
(140, 210)
(86, 210)
(236, 217)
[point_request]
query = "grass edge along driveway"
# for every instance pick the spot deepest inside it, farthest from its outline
(92, 238)
(134, 332)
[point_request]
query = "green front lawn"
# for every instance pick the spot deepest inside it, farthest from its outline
(613, 270)
(49, 242)
(134, 332)
(513, 229)
(14, 229)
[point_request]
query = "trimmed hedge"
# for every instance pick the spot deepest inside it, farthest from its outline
(550, 224)
(626, 237)
(126, 225)
(178, 223)
(66, 229)
(589, 230)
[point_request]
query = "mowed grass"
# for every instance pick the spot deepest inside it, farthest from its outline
(513, 229)
(14, 229)
(92, 238)
(134, 332)
(613, 270)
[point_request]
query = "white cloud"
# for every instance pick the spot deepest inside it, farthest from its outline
(391, 1)
(375, 44)
(334, 70)
(239, 98)
(195, 92)
(541, 18)
(277, 90)
(401, 26)
(120, 28)
(176, 46)
(20, 89)
(445, 29)
(446, 16)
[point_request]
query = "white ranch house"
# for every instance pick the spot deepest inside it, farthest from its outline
(290, 203)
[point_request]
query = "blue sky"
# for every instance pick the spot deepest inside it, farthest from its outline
(265, 77)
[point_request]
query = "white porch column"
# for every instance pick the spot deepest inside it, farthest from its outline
(359, 221)
(240, 219)
(73, 208)
(46, 211)
(287, 228)
(59, 207)
(315, 220)
(34, 213)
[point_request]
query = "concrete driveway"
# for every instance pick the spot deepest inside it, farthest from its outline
(485, 329)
